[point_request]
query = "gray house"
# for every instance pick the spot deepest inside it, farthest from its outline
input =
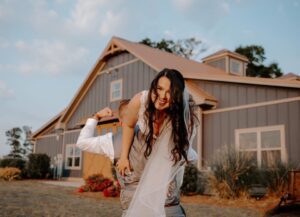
(256, 115)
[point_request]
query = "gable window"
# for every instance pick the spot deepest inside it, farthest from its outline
(116, 90)
(236, 67)
(73, 157)
(265, 144)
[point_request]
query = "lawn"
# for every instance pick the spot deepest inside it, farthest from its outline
(33, 198)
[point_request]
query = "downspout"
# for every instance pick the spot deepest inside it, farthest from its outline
(200, 138)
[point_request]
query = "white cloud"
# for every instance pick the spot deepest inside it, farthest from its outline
(205, 13)
(169, 34)
(20, 45)
(49, 57)
(113, 23)
(183, 4)
(86, 14)
(5, 91)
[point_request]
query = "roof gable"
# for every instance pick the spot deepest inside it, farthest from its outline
(191, 69)
(47, 127)
(159, 60)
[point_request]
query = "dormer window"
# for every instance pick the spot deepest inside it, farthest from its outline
(228, 61)
(236, 67)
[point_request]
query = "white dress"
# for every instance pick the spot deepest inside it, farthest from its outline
(151, 193)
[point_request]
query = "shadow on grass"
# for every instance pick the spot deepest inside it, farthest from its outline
(287, 210)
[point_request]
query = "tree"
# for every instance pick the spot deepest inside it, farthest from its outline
(188, 48)
(256, 57)
(19, 140)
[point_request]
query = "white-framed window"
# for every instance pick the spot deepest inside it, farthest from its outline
(73, 157)
(116, 90)
(236, 67)
(265, 144)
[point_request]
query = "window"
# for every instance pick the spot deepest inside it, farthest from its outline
(73, 157)
(266, 144)
(116, 90)
(236, 67)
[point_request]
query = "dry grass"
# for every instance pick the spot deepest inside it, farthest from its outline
(261, 205)
(33, 199)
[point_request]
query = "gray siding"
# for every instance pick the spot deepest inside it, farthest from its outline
(71, 138)
(136, 77)
(231, 94)
(49, 145)
(219, 127)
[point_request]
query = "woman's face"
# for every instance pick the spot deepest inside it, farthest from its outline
(163, 94)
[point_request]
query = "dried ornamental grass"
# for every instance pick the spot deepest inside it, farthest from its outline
(10, 173)
(231, 173)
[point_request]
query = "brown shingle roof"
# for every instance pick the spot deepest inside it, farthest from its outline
(159, 60)
(290, 76)
(224, 52)
(191, 69)
(48, 126)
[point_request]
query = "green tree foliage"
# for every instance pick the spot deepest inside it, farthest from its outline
(256, 67)
(19, 141)
(27, 139)
(188, 48)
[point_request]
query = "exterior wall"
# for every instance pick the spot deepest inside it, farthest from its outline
(136, 76)
(218, 128)
(71, 138)
(49, 145)
(232, 94)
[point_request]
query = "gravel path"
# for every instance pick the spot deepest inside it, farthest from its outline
(35, 199)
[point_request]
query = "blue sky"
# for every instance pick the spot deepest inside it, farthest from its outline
(48, 47)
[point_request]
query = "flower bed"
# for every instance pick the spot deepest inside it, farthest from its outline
(98, 183)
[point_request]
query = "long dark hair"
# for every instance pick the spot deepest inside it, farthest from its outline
(175, 112)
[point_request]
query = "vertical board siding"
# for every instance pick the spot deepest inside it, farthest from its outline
(71, 138)
(232, 94)
(49, 145)
(219, 127)
(136, 77)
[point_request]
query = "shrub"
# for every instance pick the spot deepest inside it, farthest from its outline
(95, 183)
(276, 178)
(38, 166)
(231, 173)
(10, 173)
(15, 163)
(113, 190)
(193, 181)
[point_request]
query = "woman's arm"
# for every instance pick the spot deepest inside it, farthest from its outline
(128, 125)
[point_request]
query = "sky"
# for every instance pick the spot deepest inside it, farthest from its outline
(47, 48)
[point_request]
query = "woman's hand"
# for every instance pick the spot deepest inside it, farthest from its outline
(123, 166)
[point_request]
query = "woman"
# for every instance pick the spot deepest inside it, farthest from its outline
(165, 118)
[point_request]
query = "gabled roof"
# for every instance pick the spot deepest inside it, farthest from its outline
(225, 52)
(47, 127)
(191, 69)
(159, 60)
(290, 76)
(155, 58)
